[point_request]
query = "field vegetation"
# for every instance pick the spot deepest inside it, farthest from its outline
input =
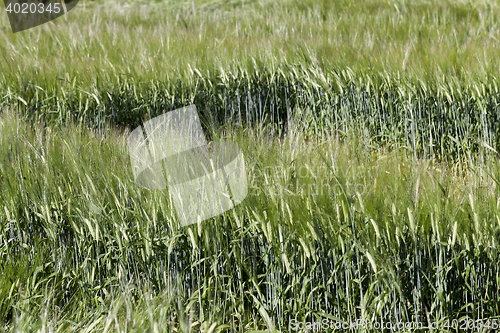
(370, 129)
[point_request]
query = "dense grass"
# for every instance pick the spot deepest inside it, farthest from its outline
(420, 74)
(370, 131)
(82, 246)
(427, 39)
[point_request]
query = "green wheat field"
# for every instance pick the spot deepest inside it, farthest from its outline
(371, 136)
